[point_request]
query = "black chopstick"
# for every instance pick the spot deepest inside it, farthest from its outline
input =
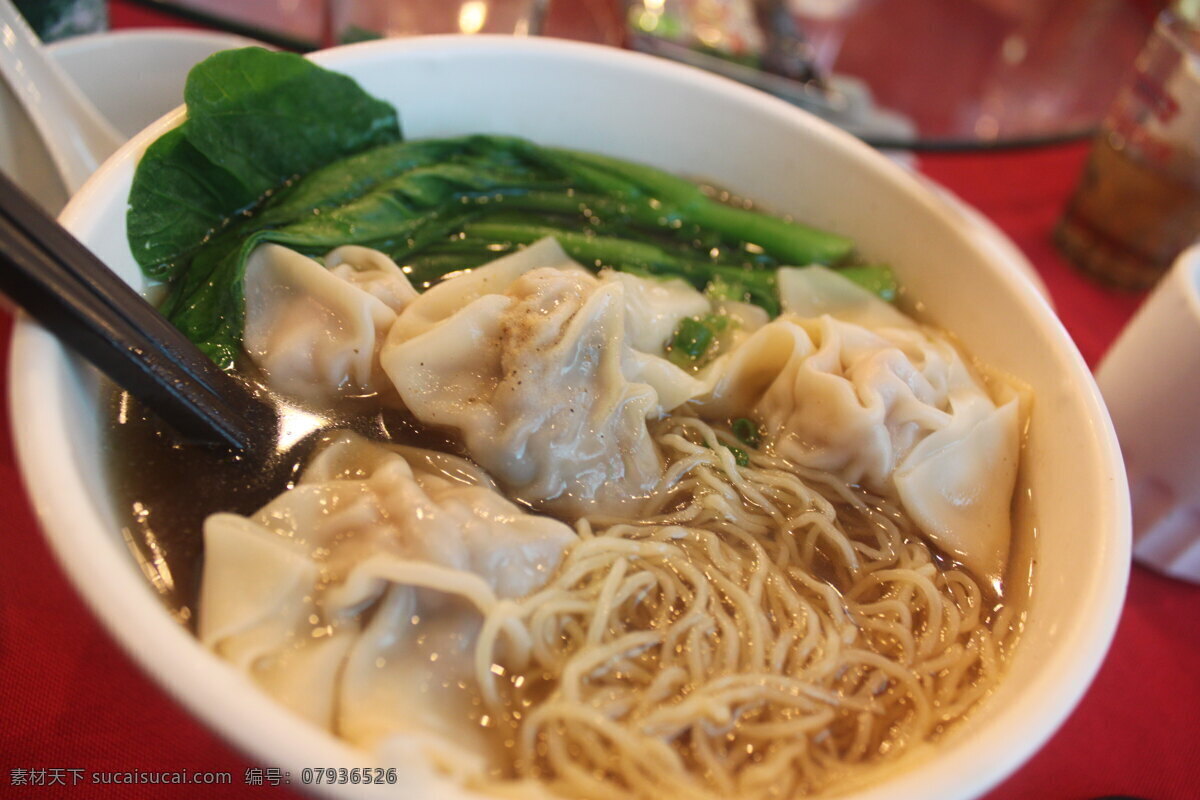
(109, 287)
(65, 287)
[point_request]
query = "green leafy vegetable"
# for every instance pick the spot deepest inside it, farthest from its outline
(278, 150)
(179, 199)
(406, 210)
(720, 289)
(267, 117)
(683, 200)
(256, 119)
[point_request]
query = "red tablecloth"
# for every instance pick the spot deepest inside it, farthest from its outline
(71, 703)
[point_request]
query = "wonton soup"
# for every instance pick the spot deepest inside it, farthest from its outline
(595, 482)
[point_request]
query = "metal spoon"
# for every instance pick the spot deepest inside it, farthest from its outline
(77, 136)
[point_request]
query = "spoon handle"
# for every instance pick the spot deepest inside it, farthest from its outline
(77, 136)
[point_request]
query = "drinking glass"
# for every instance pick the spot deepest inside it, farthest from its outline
(358, 20)
(1137, 205)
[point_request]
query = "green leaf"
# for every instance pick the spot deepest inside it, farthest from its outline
(322, 163)
(267, 117)
(178, 200)
(682, 200)
(344, 180)
(256, 119)
(208, 302)
(367, 200)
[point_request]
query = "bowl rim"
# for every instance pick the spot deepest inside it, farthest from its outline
(209, 688)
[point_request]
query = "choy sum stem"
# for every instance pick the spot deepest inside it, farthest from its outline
(793, 243)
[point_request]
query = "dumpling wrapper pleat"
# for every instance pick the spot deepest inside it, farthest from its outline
(315, 332)
(316, 595)
(846, 383)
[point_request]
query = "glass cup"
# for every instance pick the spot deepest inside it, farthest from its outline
(1137, 205)
(358, 20)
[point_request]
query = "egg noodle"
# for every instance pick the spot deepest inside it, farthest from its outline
(763, 629)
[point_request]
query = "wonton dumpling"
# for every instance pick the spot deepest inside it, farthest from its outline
(530, 360)
(315, 331)
(654, 307)
(373, 272)
(864, 392)
(957, 482)
(443, 300)
(367, 534)
(813, 291)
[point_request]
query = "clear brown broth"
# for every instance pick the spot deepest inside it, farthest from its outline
(163, 489)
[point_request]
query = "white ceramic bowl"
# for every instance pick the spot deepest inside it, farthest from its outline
(629, 105)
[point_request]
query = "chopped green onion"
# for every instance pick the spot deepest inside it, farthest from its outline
(747, 432)
(740, 456)
(694, 339)
(691, 341)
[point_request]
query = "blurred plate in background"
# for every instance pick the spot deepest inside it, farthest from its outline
(928, 74)
(986, 72)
